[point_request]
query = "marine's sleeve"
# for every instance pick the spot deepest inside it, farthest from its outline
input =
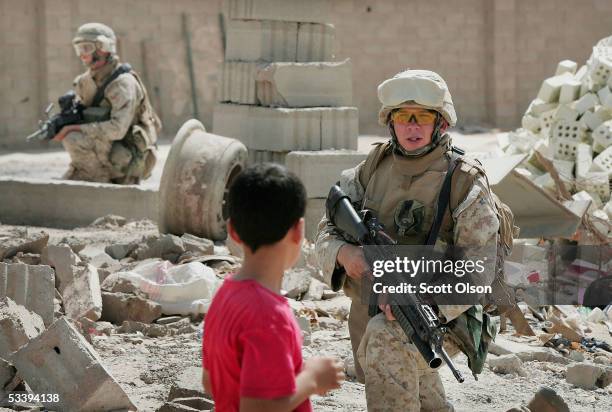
(329, 239)
(124, 95)
(475, 231)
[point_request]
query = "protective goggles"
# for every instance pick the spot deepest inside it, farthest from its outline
(422, 117)
(84, 48)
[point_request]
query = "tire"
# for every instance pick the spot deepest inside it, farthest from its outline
(195, 181)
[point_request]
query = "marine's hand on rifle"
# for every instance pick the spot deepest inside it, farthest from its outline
(65, 130)
(353, 260)
(387, 311)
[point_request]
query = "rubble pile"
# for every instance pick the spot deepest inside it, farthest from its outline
(567, 134)
(283, 96)
(55, 299)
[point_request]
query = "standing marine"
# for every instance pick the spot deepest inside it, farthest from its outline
(400, 182)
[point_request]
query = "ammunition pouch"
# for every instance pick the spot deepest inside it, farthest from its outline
(132, 156)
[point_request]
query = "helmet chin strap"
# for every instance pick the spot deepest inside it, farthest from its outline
(436, 136)
(96, 58)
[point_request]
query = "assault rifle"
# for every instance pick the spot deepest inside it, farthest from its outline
(72, 111)
(416, 318)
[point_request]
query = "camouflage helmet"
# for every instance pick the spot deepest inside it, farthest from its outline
(98, 33)
(422, 87)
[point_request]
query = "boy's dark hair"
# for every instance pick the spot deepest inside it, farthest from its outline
(265, 200)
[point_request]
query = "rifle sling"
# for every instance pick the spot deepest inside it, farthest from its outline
(123, 68)
(443, 197)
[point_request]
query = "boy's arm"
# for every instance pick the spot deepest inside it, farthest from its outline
(206, 382)
(305, 387)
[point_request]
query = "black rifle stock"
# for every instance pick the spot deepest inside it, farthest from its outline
(416, 318)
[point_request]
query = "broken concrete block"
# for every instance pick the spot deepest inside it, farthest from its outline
(188, 384)
(570, 91)
(30, 286)
(7, 374)
(315, 290)
(315, 11)
(177, 407)
(266, 156)
(17, 326)
(198, 245)
(339, 128)
(120, 250)
(315, 210)
(238, 82)
(315, 42)
(119, 307)
(167, 247)
(251, 40)
(109, 221)
(603, 161)
(586, 102)
(296, 282)
(565, 168)
(304, 324)
(60, 361)
(546, 121)
(198, 403)
(35, 243)
(305, 84)
(551, 87)
(584, 159)
(506, 364)
(566, 66)
(62, 258)
(82, 296)
(608, 209)
(584, 375)
(321, 169)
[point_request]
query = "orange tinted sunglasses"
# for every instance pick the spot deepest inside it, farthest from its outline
(422, 117)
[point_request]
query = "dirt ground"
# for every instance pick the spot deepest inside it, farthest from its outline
(147, 367)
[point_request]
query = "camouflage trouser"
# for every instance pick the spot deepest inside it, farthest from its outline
(90, 159)
(397, 378)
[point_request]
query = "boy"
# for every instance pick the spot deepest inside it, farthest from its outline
(252, 343)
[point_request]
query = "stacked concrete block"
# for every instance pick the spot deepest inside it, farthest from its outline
(281, 92)
(32, 286)
(572, 116)
(61, 361)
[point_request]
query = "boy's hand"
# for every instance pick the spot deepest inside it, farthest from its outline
(354, 261)
(327, 373)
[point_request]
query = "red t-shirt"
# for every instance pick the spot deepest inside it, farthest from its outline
(252, 345)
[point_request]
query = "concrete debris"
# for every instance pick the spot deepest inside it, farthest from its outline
(116, 284)
(198, 245)
(596, 316)
(586, 376)
(315, 290)
(59, 360)
(30, 286)
(557, 325)
(7, 374)
(167, 247)
(120, 250)
(62, 259)
(10, 246)
(25, 258)
(197, 403)
(188, 384)
(296, 282)
(337, 308)
(17, 326)
(109, 222)
(304, 323)
(570, 123)
(507, 364)
(169, 319)
(82, 295)
(119, 307)
(177, 407)
(540, 356)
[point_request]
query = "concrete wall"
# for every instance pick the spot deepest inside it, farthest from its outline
(493, 53)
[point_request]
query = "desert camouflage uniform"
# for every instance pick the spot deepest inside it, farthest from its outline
(97, 154)
(396, 376)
